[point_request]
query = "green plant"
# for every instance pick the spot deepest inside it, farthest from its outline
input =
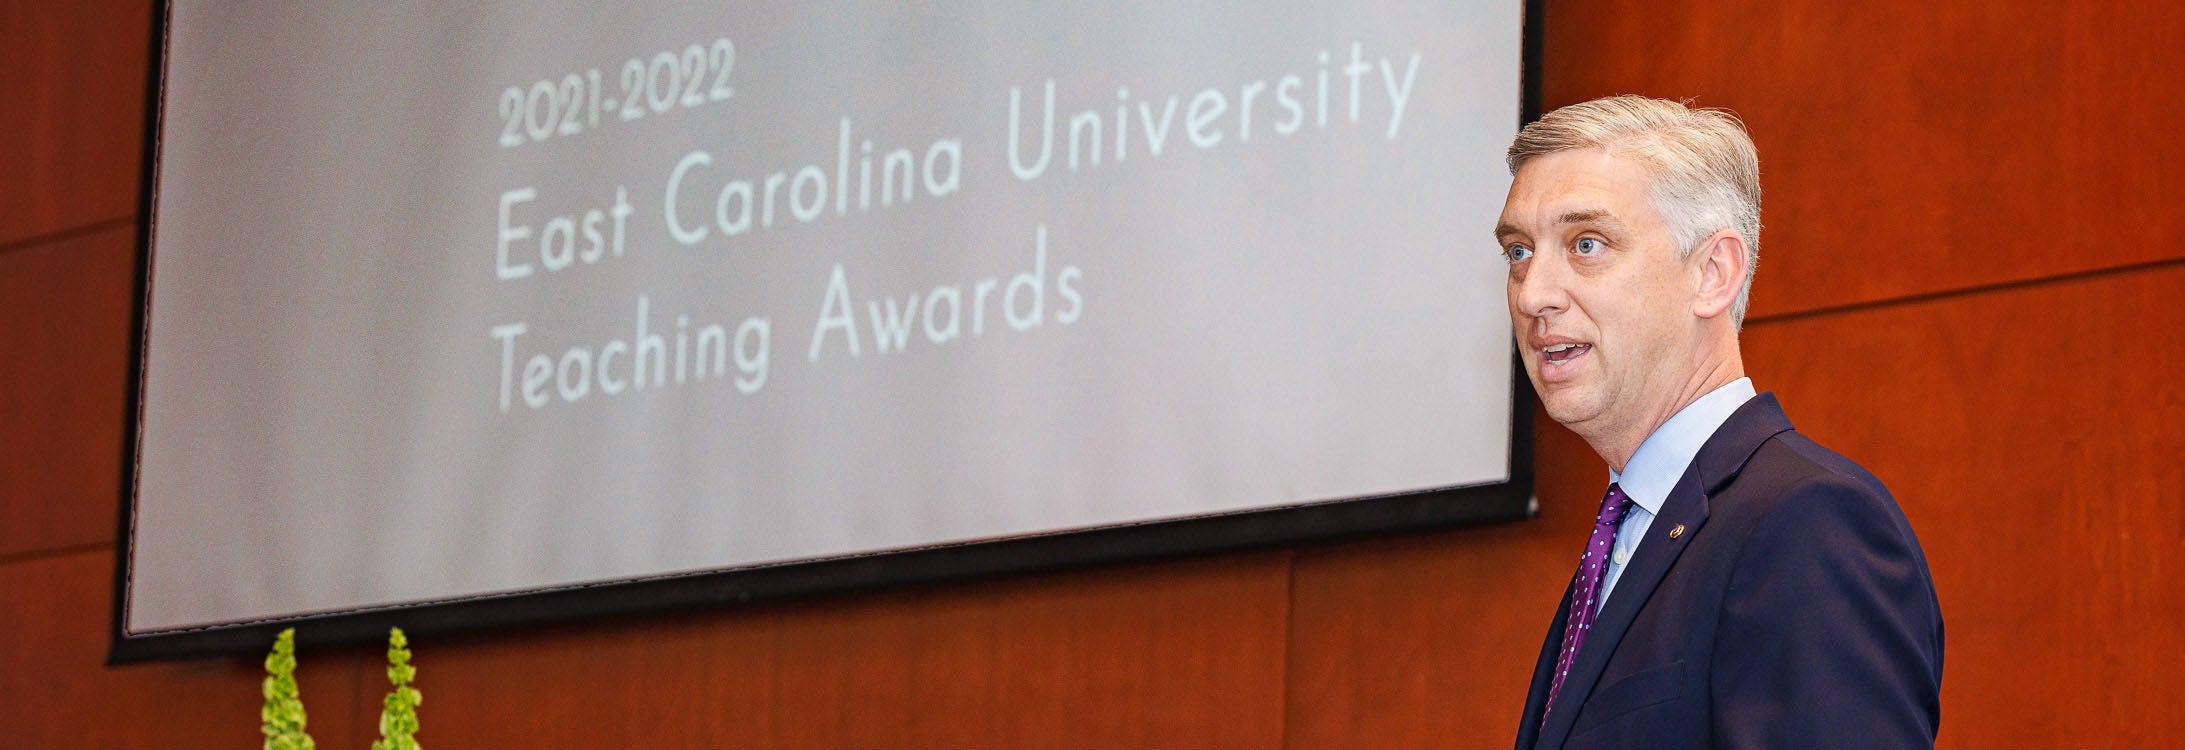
(282, 719)
(398, 718)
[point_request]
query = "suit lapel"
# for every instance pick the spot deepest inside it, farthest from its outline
(1686, 506)
(1715, 465)
(1528, 727)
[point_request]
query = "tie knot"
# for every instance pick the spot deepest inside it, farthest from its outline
(1613, 507)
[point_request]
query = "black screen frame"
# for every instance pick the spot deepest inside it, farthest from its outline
(629, 598)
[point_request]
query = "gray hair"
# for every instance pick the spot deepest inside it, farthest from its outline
(1706, 174)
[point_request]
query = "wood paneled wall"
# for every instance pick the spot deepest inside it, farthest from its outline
(1972, 281)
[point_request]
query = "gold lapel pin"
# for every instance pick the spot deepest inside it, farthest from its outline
(1677, 531)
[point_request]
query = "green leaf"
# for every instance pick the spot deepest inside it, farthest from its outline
(398, 715)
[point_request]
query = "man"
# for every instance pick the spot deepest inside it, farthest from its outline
(1743, 586)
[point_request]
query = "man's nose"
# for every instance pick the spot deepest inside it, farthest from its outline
(1544, 287)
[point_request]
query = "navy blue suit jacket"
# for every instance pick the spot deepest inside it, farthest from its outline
(1794, 610)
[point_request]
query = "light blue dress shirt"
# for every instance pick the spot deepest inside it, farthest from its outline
(1660, 461)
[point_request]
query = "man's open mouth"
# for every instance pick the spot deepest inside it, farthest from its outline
(1564, 352)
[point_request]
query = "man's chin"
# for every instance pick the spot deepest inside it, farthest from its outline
(1568, 406)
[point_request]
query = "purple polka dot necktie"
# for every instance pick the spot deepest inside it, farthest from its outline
(1592, 566)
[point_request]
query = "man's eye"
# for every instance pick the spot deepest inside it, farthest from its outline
(1587, 246)
(1517, 253)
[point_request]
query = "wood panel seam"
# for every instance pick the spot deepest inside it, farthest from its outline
(48, 553)
(1969, 291)
(81, 230)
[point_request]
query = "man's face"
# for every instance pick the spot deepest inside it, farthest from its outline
(1599, 301)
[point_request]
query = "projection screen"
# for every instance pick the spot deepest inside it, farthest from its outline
(461, 314)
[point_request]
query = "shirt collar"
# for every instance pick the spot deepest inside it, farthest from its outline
(1660, 461)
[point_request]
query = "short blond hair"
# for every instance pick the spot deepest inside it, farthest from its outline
(1706, 174)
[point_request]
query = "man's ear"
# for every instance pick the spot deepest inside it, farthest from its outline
(1721, 263)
